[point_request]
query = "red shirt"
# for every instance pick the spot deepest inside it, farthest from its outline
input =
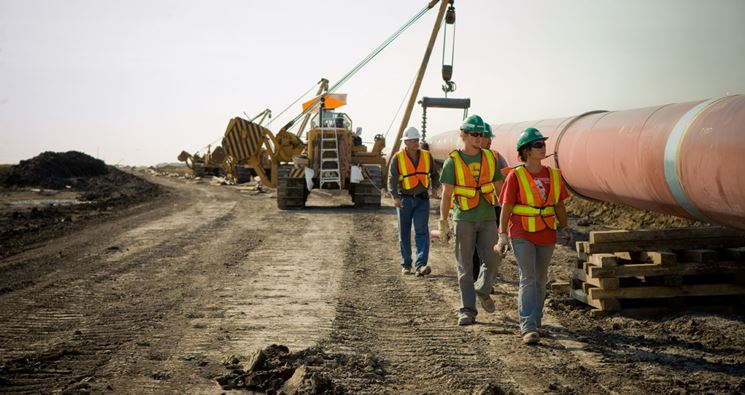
(510, 195)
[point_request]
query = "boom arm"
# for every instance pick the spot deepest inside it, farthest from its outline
(420, 76)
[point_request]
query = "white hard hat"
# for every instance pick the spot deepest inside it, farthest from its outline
(411, 133)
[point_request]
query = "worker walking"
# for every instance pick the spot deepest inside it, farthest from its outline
(468, 177)
(486, 140)
(532, 211)
(409, 180)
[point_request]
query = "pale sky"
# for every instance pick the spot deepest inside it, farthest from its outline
(135, 82)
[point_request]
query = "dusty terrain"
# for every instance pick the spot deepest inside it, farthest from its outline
(175, 290)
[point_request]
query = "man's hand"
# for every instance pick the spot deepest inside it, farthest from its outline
(397, 202)
(503, 245)
(444, 227)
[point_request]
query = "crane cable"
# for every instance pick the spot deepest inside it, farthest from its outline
(377, 50)
(292, 104)
(368, 58)
(447, 70)
(351, 73)
(406, 95)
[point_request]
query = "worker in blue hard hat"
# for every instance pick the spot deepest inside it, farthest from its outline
(532, 212)
(409, 182)
(468, 177)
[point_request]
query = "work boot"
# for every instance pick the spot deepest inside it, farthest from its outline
(406, 271)
(466, 319)
(487, 303)
(423, 271)
(531, 338)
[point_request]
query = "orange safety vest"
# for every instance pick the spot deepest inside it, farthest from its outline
(531, 205)
(408, 175)
(466, 192)
(504, 172)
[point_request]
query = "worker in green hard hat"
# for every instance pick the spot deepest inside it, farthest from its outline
(532, 212)
(468, 176)
(486, 141)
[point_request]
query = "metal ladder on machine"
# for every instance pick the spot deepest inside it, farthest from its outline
(330, 171)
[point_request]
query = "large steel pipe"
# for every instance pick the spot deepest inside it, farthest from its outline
(683, 159)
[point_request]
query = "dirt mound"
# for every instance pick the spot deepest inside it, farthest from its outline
(310, 371)
(98, 189)
(619, 216)
(117, 187)
(54, 170)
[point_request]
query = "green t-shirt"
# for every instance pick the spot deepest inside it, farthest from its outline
(484, 211)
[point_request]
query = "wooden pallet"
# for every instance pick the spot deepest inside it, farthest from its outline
(617, 266)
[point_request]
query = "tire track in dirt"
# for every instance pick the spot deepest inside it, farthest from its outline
(80, 316)
(280, 290)
(163, 310)
(410, 323)
(33, 265)
(180, 293)
(547, 368)
(405, 322)
(289, 297)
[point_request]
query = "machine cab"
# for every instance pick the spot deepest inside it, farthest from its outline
(332, 119)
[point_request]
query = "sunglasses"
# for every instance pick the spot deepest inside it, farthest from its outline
(474, 134)
(537, 144)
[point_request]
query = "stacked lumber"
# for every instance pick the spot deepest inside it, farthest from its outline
(618, 266)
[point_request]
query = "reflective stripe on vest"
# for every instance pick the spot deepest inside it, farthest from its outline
(408, 175)
(537, 214)
(466, 192)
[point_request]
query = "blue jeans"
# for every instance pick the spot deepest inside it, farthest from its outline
(533, 261)
(414, 210)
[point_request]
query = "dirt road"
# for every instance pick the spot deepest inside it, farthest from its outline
(157, 299)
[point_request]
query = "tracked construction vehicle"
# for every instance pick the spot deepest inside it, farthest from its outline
(216, 163)
(208, 164)
(332, 157)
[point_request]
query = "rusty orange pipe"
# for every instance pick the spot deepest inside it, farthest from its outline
(684, 159)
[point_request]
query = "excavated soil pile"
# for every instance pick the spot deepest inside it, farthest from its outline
(311, 371)
(55, 170)
(39, 213)
(619, 216)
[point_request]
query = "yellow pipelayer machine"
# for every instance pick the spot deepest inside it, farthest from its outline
(332, 158)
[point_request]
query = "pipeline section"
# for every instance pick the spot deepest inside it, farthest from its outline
(683, 159)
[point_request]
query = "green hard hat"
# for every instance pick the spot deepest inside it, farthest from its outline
(487, 131)
(528, 136)
(474, 123)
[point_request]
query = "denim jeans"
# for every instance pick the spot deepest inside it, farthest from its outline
(414, 210)
(533, 261)
(470, 237)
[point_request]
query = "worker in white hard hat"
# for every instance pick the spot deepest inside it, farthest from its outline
(409, 180)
